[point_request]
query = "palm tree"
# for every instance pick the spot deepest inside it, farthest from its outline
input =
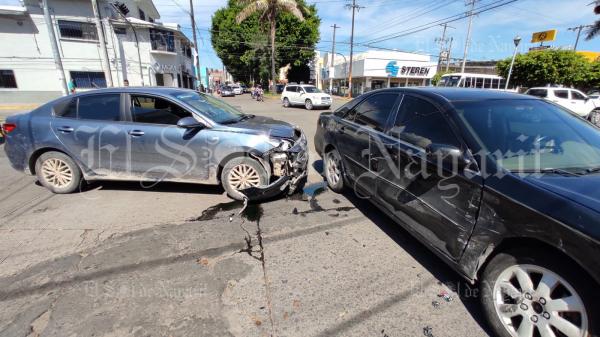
(595, 28)
(269, 10)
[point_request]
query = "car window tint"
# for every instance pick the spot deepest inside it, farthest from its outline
(561, 94)
(104, 107)
(420, 123)
(543, 93)
(155, 110)
(66, 108)
(290, 88)
(374, 111)
(577, 95)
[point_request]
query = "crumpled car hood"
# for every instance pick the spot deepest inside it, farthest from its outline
(584, 190)
(265, 125)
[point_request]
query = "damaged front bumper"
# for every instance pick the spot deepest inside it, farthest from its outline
(288, 164)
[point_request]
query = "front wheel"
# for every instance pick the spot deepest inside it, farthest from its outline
(242, 173)
(334, 172)
(286, 103)
(526, 293)
(308, 104)
(595, 117)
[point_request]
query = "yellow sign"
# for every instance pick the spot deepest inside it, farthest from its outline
(592, 56)
(549, 35)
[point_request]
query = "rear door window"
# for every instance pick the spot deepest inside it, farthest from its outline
(577, 95)
(543, 93)
(561, 94)
(105, 107)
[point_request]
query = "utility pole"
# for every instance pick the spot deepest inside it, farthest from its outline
(449, 53)
(442, 42)
(198, 72)
(578, 29)
(354, 7)
(56, 54)
(335, 26)
(102, 40)
(468, 41)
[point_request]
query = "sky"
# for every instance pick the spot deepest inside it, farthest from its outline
(413, 25)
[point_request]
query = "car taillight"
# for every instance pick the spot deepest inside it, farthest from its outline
(8, 127)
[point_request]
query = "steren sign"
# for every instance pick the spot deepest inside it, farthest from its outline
(393, 70)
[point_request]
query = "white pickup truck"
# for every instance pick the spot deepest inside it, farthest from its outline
(571, 99)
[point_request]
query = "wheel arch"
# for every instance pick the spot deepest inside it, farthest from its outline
(514, 243)
(256, 155)
(37, 153)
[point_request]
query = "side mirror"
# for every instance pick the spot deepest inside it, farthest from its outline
(190, 123)
(447, 154)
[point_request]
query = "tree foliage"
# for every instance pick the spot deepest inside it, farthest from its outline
(541, 68)
(244, 48)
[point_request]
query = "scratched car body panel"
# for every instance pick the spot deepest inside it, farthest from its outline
(487, 207)
(137, 134)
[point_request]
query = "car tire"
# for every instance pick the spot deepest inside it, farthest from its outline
(595, 117)
(240, 173)
(334, 171)
(526, 298)
(286, 102)
(308, 104)
(58, 172)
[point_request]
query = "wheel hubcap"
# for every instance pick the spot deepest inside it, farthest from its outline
(533, 301)
(56, 172)
(333, 169)
(243, 176)
(596, 118)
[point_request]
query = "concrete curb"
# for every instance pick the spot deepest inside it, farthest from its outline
(18, 106)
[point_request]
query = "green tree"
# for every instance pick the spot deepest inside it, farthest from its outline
(244, 47)
(595, 28)
(540, 68)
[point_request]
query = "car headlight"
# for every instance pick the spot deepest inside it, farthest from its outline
(275, 142)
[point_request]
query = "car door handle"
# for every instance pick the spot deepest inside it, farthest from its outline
(341, 129)
(136, 133)
(65, 129)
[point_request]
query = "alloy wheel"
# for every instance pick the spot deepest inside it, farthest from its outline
(333, 170)
(596, 118)
(243, 176)
(533, 301)
(308, 104)
(56, 172)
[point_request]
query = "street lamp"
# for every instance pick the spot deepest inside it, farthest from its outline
(516, 40)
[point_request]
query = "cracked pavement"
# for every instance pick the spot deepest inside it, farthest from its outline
(177, 260)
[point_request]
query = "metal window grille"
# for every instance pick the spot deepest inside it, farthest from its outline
(162, 40)
(88, 79)
(77, 30)
(7, 79)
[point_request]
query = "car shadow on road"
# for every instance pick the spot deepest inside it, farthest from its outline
(164, 187)
(446, 276)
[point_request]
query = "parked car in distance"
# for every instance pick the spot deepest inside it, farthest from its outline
(503, 187)
(227, 91)
(572, 99)
(237, 90)
(155, 134)
(304, 94)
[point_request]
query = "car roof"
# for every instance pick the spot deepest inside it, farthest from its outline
(460, 94)
(139, 90)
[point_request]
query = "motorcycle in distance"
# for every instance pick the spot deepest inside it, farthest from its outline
(257, 93)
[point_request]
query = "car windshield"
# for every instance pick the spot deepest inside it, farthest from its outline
(531, 135)
(213, 108)
(449, 81)
(311, 90)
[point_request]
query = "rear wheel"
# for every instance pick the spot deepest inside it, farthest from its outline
(241, 173)
(308, 104)
(334, 172)
(57, 172)
(529, 293)
(286, 102)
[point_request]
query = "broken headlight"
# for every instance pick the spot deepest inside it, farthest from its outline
(279, 160)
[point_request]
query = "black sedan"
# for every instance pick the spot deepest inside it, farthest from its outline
(504, 187)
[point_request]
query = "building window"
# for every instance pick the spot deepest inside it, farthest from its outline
(88, 79)
(7, 79)
(120, 30)
(77, 30)
(142, 14)
(186, 49)
(150, 19)
(162, 40)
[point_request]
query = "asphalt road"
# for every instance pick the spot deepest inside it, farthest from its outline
(177, 260)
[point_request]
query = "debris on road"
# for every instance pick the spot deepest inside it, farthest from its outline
(445, 295)
(435, 304)
(428, 331)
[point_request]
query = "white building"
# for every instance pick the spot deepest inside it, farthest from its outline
(376, 69)
(27, 69)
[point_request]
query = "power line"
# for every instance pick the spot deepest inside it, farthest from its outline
(354, 7)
